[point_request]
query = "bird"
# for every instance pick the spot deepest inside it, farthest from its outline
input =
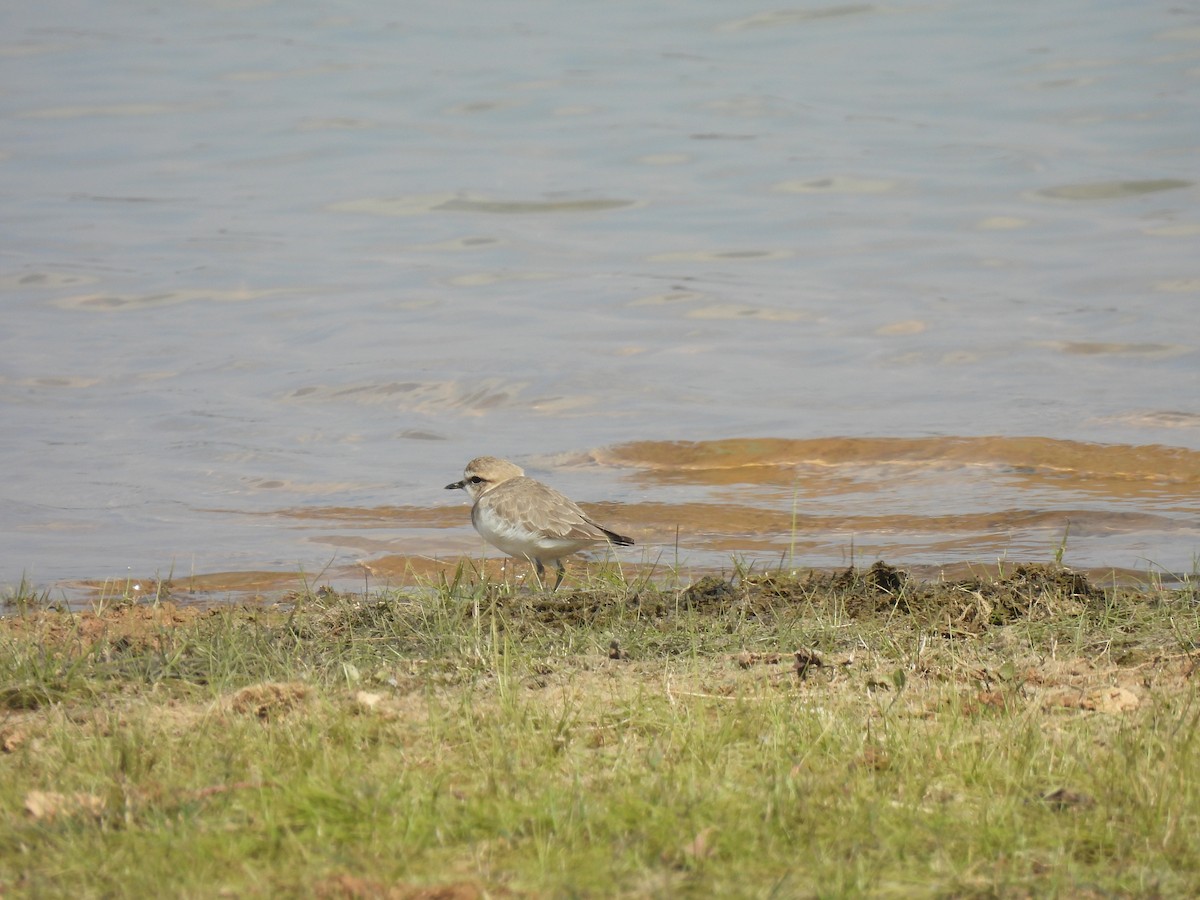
(528, 519)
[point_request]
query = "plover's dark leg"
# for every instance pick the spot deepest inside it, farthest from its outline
(562, 570)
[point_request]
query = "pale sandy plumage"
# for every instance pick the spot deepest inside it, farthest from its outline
(526, 518)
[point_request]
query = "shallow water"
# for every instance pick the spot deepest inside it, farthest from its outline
(271, 274)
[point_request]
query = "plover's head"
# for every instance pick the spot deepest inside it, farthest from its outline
(483, 473)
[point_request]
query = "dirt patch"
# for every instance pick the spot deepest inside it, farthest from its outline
(120, 626)
(270, 699)
(49, 805)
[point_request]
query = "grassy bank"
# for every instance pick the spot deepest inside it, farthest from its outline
(824, 735)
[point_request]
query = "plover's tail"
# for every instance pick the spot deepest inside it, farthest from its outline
(618, 540)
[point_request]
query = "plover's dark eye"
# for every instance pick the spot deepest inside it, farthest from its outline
(475, 479)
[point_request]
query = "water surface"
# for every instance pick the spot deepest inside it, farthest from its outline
(272, 272)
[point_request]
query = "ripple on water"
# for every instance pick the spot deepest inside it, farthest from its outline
(837, 184)
(111, 111)
(48, 280)
(439, 397)
(1107, 348)
(785, 18)
(1112, 190)
(749, 255)
(1178, 285)
(421, 396)
(131, 302)
(1157, 419)
(422, 204)
(738, 311)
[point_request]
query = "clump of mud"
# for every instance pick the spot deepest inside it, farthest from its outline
(709, 593)
(1029, 591)
(577, 608)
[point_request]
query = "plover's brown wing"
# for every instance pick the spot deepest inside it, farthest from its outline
(544, 511)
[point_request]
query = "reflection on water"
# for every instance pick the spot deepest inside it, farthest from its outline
(269, 279)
